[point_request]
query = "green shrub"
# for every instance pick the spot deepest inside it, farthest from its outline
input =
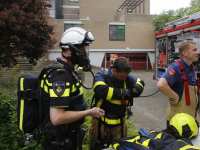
(10, 136)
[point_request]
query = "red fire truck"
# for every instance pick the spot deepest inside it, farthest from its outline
(167, 42)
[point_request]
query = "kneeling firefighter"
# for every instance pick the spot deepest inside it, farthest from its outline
(62, 93)
(114, 90)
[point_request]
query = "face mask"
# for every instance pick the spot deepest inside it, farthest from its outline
(80, 57)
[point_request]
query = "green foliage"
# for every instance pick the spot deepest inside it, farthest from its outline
(10, 136)
(24, 30)
(168, 16)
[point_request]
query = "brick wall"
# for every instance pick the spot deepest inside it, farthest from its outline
(139, 33)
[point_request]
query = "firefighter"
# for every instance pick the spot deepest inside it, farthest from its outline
(113, 90)
(179, 83)
(62, 93)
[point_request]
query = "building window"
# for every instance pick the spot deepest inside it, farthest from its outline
(117, 32)
(52, 8)
(67, 26)
(74, 0)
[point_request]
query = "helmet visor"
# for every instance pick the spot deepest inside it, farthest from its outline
(88, 38)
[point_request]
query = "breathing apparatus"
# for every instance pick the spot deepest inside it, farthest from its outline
(77, 39)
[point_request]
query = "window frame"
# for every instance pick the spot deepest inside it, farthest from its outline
(74, 25)
(119, 27)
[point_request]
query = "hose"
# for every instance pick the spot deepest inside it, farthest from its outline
(148, 95)
(77, 78)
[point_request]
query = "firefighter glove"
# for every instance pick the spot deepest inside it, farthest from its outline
(127, 94)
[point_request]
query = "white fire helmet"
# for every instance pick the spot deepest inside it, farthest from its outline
(76, 35)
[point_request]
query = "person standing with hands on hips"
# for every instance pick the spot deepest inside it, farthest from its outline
(179, 83)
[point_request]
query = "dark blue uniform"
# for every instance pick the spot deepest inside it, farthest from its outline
(175, 79)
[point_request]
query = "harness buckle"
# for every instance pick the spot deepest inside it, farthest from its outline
(29, 91)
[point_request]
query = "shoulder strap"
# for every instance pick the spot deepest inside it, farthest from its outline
(185, 80)
(52, 66)
(197, 83)
(105, 72)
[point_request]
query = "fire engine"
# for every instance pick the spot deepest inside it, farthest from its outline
(167, 42)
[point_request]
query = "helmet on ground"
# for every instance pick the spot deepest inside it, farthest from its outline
(76, 36)
(185, 124)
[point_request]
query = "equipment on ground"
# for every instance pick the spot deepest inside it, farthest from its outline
(167, 42)
(185, 125)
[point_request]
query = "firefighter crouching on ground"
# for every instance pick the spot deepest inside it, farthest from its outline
(179, 83)
(113, 92)
(64, 94)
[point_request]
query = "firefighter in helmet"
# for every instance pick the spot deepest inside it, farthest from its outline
(114, 89)
(63, 94)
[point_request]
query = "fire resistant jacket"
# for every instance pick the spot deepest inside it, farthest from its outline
(108, 96)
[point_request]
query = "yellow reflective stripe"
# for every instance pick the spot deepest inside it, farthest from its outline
(158, 136)
(21, 105)
(110, 93)
(115, 145)
(117, 102)
(65, 94)
(47, 82)
(45, 88)
(81, 90)
(134, 139)
(189, 147)
(73, 88)
(146, 143)
(111, 121)
(138, 82)
(99, 83)
(124, 84)
(151, 131)
(99, 103)
(42, 83)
